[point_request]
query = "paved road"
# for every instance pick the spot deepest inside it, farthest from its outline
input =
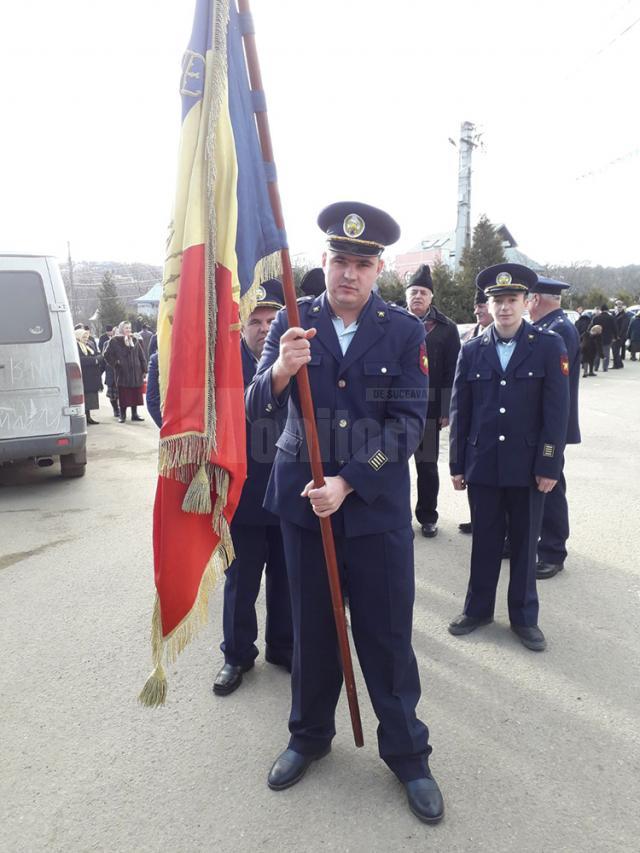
(534, 752)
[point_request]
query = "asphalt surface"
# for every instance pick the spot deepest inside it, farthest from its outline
(533, 752)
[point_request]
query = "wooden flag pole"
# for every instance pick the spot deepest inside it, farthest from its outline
(304, 388)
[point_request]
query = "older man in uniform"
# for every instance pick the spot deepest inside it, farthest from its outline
(509, 415)
(368, 373)
(256, 535)
(546, 313)
(443, 345)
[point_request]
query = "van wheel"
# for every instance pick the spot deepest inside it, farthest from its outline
(71, 467)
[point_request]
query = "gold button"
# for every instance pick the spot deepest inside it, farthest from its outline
(530, 373)
(500, 438)
(502, 411)
(383, 370)
(477, 376)
(342, 383)
(503, 381)
(342, 423)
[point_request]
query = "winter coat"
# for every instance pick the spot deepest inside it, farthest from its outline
(622, 321)
(153, 391)
(582, 324)
(609, 331)
(91, 366)
(443, 346)
(633, 332)
(129, 363)
(590, 347)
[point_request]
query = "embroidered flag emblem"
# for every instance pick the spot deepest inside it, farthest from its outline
(564, 365)
(424, 360)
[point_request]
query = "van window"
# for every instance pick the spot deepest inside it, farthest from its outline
(24, 312)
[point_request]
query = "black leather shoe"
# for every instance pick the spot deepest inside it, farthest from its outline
(530, 636)
(466, 624)
(290, 767)
(278, 660)
(136, 418)
(229, 678)
(122, 419)
(425, 799)
(547, 570)
(465, 527)
(429, 530)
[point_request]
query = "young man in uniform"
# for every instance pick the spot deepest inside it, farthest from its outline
(368, 373)
(443, 346)
(546, 313)
(257, 540)
(509, 414)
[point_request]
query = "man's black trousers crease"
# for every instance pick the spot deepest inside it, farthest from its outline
(426, 458)
(494, 510)
(552, 547)
(377, 575)
(257, 548)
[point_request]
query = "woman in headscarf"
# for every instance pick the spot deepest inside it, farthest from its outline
(91, 365)
(124, 353)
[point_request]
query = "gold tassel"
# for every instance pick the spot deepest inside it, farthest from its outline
(198, 496)
(154, 692)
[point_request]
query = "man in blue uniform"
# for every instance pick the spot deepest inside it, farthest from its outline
(509, 414)
(368, 370)
(546, 313)
(257, 540)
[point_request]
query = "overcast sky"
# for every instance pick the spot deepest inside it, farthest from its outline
(363, 96)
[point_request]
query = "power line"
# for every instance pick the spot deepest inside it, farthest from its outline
(615, 162)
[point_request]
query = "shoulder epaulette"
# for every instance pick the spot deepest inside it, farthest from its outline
(302, 299)
(399, 309)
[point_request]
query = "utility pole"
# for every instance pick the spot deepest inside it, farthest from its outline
(463, 224)
(72, 291)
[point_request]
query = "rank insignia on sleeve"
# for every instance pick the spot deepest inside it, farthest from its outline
(377, 460)
(424, 360)
(549, 450)
(564, 365)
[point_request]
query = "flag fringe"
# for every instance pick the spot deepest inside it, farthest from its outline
(268, 267)
(154, 692)
(198, 496)
(180, 456)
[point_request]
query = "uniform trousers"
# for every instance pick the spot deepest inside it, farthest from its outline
(378, 576)
(258, 548)
(428, 485)
(552, 547)
(494, 511)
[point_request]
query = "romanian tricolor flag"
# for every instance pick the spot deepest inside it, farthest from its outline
(223, 243)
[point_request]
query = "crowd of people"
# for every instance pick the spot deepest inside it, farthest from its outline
(606, 336)
(118, 360)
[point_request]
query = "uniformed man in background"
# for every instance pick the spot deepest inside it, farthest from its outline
(546, 313)
(509, 415)
(368, 374)
(255, 532)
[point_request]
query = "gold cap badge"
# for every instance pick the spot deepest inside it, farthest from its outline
(353, 225)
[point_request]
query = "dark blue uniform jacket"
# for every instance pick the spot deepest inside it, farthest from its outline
(261, 441)
(509, 426)
(370, 406)
(558, 322)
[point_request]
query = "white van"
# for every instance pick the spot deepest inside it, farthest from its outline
(41, 395)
